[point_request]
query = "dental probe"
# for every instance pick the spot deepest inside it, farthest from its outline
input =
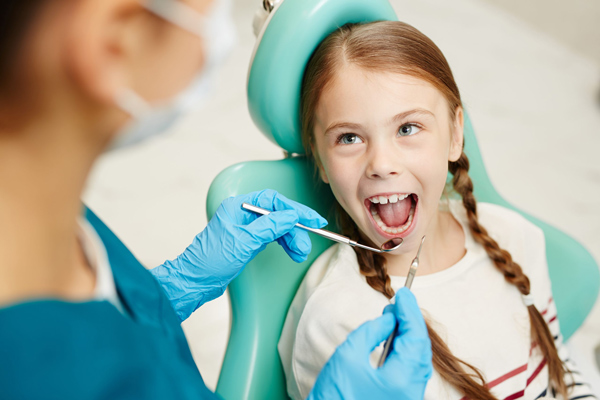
(409, 280)
(330, 235)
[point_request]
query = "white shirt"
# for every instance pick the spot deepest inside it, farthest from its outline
(478, 314)
(95, 253)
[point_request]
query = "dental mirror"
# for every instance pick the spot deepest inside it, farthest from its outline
(389, 246)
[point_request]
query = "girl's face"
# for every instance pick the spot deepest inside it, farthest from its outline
(383, 141)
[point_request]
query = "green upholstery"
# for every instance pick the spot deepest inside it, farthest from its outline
(261, 294)
(294, 30)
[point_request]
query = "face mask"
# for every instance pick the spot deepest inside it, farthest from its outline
(217, 31)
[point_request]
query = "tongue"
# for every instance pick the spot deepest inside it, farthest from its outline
(394, 214)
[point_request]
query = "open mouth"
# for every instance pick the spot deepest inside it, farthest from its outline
(394, 213)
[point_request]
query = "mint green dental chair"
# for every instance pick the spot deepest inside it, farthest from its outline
(261, 294)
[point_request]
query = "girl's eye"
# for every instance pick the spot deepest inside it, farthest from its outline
(349, 138)
(408, 130)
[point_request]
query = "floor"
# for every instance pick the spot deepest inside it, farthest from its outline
(533, 102)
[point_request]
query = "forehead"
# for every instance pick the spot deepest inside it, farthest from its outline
(355, 93)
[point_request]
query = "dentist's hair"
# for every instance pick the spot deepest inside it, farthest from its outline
(16, 17)
(397, 47)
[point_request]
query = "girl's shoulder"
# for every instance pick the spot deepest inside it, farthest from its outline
(505, 218)
(515, 233)
(509, 228)
(495, 218)
(523, 239)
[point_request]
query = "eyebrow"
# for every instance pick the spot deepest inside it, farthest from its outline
(395, 118)
(346, 125)
(416, 111)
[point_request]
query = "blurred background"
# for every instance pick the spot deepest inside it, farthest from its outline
(529, 73)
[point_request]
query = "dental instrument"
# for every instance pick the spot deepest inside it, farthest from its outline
(334, 236)
(409, 280)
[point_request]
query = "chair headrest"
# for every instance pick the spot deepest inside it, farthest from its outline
(290, 35)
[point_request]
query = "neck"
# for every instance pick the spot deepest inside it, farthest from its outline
(43, 169)
(444, 246)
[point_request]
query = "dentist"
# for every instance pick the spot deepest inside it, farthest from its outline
(80, 317)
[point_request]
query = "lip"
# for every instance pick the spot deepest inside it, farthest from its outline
(383, 233)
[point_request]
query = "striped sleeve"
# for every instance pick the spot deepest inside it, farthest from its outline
(576, 385)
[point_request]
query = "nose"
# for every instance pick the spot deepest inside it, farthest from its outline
(383, 161)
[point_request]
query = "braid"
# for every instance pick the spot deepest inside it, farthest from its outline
(451, 368)
(372, 265)
(513, 273)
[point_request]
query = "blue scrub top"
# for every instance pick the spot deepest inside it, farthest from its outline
(51, 349)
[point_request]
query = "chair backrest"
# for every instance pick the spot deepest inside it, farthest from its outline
(262, 293)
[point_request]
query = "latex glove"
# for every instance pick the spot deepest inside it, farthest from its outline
(349, 375)
(231, 239)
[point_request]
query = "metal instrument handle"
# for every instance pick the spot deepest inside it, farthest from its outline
(410, 277)
(322, 232)
(409, 280)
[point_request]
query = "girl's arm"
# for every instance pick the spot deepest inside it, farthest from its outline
(577, 386)
(536, 267)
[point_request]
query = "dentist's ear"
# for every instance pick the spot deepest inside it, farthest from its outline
(112, 45)
(99, 38)
(457, 136)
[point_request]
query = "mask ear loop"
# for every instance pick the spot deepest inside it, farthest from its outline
(130, 102)
(179, 14)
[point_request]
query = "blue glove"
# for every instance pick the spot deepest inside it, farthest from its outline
(349, 375)
(232, 238)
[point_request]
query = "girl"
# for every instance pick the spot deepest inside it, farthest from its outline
(382, 117)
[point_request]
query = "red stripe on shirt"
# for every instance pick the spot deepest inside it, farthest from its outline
(504, 377)
(522, 368)
(521, 393)
(510, 374)
(513, 373)
(548, 306)
(536, 372)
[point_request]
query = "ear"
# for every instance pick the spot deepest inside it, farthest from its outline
(323, 174)
(456, 135)
(98, 41)
(317, 159)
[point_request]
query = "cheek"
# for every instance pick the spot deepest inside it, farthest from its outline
(439, 180)
(343, 179)
(432, 172)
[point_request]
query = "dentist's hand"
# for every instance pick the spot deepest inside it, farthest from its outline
(349, 375)
(232, 238)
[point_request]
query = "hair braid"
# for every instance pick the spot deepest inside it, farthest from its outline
(513, 273)
(450, 367)
(372, 265)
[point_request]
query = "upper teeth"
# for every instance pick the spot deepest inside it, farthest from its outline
(392, 198)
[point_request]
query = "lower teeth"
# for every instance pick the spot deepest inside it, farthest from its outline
(391, 230)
